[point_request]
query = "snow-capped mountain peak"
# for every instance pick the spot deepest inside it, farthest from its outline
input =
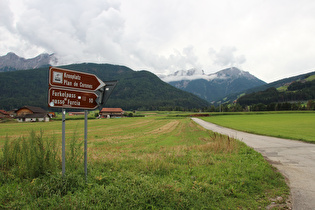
(213, 86)
(233, 73)
(190, 74)
(194, 74)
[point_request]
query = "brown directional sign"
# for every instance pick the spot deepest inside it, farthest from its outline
(75, 99)
(74, 80)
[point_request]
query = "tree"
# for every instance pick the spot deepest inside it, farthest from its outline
(310, 105)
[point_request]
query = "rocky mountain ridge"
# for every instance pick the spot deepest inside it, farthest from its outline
(214, 86)
(194, 74)
(12, 62)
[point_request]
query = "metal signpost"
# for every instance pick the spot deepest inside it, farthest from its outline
(76, 90)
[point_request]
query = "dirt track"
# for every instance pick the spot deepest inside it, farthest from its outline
(294, 159)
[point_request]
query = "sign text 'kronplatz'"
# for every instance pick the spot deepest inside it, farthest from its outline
(74, 79)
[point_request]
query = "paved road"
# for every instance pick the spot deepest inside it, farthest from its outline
(294, 159)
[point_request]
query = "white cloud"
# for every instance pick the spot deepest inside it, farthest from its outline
(270, 39)
(226, 57)
(6, 15)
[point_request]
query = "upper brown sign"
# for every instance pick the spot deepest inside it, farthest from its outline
(74, 79)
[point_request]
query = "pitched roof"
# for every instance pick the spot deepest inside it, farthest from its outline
(112, 110)
(34, 109)
(4, 112)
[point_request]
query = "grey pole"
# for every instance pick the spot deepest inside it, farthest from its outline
(85, 143)
(63, 142)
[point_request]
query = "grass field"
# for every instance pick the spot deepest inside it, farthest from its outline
(151, 162)
(298, 126)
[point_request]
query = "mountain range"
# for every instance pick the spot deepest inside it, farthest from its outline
(216, 86)
(11, 62)
(135, 90)
(210, 87)
(186, 89)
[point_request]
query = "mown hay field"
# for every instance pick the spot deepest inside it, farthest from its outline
(148, 162)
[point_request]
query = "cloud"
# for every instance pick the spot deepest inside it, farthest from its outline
(6, 15)
(77, 31)
(264, 37)
(226, 57)
(177, 60)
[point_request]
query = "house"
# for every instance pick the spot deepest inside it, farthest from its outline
(12, 112)
(4, 114)
(31, 114)
(111, 112)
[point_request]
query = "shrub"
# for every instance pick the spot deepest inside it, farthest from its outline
(30, 157)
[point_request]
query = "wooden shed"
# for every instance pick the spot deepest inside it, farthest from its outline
(111, 113)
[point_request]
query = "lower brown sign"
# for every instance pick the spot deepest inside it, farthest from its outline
(63, 98)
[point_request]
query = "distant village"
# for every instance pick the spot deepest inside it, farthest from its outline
(37, 114)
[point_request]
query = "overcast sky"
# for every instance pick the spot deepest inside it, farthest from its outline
(272, 39)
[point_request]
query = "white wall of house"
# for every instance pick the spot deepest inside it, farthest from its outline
(44, 119)
(19, 119)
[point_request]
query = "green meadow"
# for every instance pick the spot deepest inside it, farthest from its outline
(295, 125)
(154, 162)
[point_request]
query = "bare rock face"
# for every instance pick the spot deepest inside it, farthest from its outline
(12, 62)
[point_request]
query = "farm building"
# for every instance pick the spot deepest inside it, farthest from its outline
(31, 114)
(111, 112)
(12, 112)
(4, 114)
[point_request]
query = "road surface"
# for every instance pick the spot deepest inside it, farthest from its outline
(294, 159)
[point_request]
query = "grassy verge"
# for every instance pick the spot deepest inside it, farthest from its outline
(154, 163)
(298, 126)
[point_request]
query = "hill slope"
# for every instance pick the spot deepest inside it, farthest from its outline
(280, 85)
(301, 89)
(214, 86)
(135, 89)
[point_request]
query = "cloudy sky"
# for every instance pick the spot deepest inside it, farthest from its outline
(272, 39)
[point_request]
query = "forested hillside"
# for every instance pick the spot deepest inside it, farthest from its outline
(277, 84)
(135, 89)
(295, 92)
